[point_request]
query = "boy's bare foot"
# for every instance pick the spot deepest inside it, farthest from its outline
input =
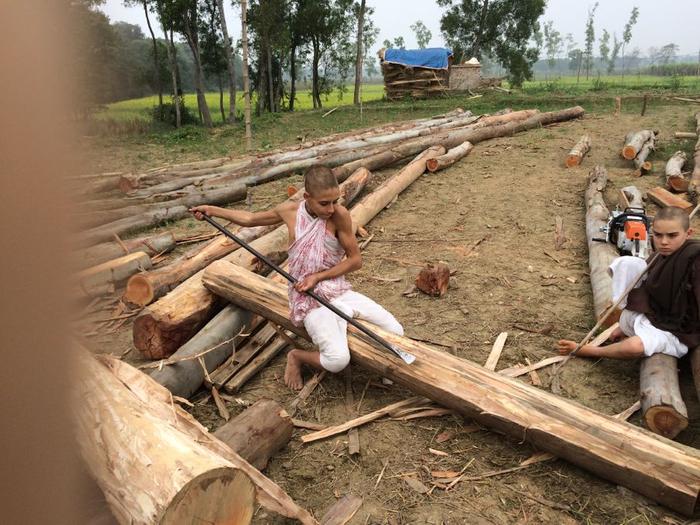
(292, 374)
(616, 335)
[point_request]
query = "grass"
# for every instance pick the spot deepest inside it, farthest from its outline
(614, 85)
(140, 108)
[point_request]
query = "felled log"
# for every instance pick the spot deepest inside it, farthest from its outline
(167, 323)
(119, 434)
(125, 420)
(600, 254)
(453, 138)
(695, 176)
(112, 272)
(661, 470)
(258, 432)
(662, 405)
(579, 151)
(195, 197)
(634, 141)
(434, 279)
(129, 183)
(641, 161)
(685, 135)
(674, 172)
(149, 244)
(449, 158)
(662, 197)
(632, 196)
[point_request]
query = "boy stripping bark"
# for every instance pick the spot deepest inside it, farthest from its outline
(661, 315)
(322, 250)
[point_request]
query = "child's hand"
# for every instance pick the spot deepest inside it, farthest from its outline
(200, 211)
(307, 283)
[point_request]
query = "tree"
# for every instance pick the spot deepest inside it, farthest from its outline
(387, 44)
(500, 28)
(214, 62)
(360, 52)
(604, 47)
(399, 43)
(423, 34)
(167, 26)
(553, 43)
(183, 16)
(627, 34)
(590, 39)
(614, 53)
(228, 49)
(246, 82)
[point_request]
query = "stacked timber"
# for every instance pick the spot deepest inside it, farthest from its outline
(154, 462)
(637, 147)
(662, 470)
(402, 81)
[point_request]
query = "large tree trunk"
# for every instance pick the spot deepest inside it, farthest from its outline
(169, 322)
(112, 272)
(148, 218)
(661, 470)
(258, 432)
(196, 196)
(662, 405)
(579, 151)
(694, 186)
(600, 254)
(674, 172)
(120, 411)
(150, 244)
(229, 64)
(315, 88)
(151, 470)
(156, 61)
(451, 139)
(292, 73)
(246, 80)
(360, 53)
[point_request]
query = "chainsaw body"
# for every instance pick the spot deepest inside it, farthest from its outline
(630, 232)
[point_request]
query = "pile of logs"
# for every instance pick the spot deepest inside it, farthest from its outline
(637, 147)
(401, 81)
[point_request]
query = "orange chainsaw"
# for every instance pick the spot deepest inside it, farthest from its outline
(629, 232)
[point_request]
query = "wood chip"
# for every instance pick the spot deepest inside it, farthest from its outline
(444, 473)
(495, 354)
(220, 405)
(438, 452)
(444, 436)
(416, 485)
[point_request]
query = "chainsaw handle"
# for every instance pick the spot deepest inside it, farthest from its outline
(598, 239)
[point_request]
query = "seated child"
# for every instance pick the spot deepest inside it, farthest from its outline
(661, 314)
(322, 250)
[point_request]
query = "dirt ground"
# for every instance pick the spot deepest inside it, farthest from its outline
(506, 193)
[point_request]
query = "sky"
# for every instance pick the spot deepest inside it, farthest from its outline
(659, 22)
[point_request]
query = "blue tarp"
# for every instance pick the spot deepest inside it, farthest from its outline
(433, 58)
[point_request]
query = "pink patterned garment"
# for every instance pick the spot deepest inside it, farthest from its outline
(314, 250)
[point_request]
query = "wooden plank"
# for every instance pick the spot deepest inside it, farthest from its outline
(495, 354)
(353, 434)
(255, 365)
(662, 197)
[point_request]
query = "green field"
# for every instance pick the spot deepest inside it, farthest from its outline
(614, 84)
(140, 108)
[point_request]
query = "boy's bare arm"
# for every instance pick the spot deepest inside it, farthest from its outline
(271, 217)
(352, 261)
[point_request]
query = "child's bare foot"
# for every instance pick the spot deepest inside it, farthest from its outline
(565, 347)
(292, 374)
(616, 335)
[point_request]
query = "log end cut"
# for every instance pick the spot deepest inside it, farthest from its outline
(434, 279)
(224, 495)
(139, 291)
(665, 421)
(432, 165)
(573, 160)
(677, 183)
(153, 338)
(629, 153)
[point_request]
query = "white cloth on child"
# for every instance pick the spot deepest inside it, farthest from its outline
(624, 271)
(329, 331)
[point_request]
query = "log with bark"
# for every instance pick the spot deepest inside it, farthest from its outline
(579, 151)
(662, 405)
(453, 138)
(449, 158)
(662, 197)
(694, 185)
(632, 197)
(111, 272)
(641, 161)
(674, 172)
(218, 195)
(126, 421)
(150, 244)
(634, 142)
(167, 323)
(258, 432)
(661, 470)
(685, 135)
(600, 254)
